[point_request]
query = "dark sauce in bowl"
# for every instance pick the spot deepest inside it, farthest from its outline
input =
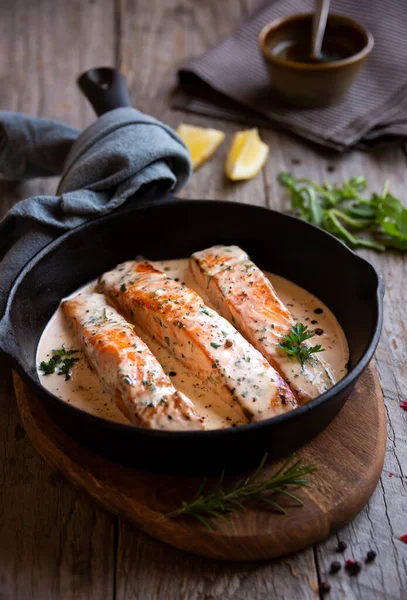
(300, 51)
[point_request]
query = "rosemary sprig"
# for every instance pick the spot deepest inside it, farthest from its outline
(220, 501)
(293, 344)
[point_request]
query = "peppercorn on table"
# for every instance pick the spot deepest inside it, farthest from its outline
(54, 541)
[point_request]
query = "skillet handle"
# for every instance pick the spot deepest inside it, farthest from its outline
(105, 88)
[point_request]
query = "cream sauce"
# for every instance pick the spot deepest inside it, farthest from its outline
(85, 391)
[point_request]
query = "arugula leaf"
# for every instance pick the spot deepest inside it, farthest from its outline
(392, 216)
(382, 218)
(293, 344)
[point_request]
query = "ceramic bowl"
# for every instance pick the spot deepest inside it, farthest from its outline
(314, 83)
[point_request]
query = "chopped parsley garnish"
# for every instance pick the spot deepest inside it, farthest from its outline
(59, 363)
(148, 384)
(293, 344)
(123, 287)
(65, 367)
(48, 367)
(63, 352)
(161, 323)
(215, 345)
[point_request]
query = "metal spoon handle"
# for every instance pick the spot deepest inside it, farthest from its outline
(318, 26)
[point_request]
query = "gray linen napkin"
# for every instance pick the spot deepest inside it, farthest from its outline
(231, 81)
(122, 155)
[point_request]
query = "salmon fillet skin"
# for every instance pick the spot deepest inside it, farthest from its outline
(126, 366)
(244, 296)
(206, 343)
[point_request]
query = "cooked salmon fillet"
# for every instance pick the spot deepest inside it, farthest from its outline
(244, 295)
(128, 369)
(206, 343)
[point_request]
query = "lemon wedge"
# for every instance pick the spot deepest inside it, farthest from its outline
(247, 155)
(201, 142)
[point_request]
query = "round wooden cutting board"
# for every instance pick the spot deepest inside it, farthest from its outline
(349, 455)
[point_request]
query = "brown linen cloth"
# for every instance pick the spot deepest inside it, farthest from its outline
(231, 81)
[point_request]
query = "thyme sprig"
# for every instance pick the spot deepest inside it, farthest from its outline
(222, 500)
(293, 343)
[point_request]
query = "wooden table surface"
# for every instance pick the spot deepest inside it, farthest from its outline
(54, 542)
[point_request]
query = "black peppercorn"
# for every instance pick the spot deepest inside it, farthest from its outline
(335, 567)
(324, 588)
(341, 547)
(370, 556)
(353, 567)
(318, 311)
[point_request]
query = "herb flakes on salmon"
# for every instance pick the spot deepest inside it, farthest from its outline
(126, 366)
(242, 293)
(206, 343)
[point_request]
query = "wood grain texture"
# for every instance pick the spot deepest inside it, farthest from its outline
(54, 542)
(149, 570)
(155, 39)
(151, 49)
(383, 520)
(349, 461)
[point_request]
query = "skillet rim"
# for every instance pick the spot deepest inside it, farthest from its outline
(350, 378)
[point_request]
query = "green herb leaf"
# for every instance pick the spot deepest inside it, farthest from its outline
(64, 368)
(149, 384)
(57, 363)
(293, 344)
(215, 345)
(382, 218)
(48, 367)
(63, 352)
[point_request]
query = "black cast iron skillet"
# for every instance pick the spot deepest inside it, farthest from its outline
(174, 228)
